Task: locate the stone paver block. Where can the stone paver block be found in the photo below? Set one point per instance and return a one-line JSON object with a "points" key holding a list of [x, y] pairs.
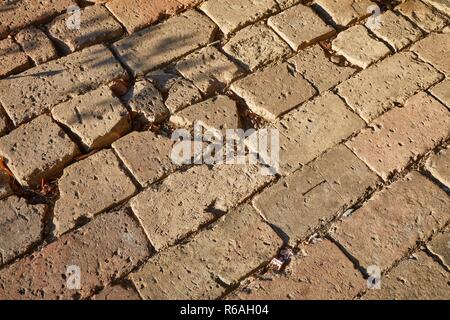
{"points": [[103, 250], [255, 46], [387, 227], [5, 187], [182, 94], [424, 16], [439, 166], [40, 88], [435, 49], [152, 47], [440, 246], [300, 27], [14, 60], [273, 91], [344, 12], [37, 150], [441, 5], [36, 45], [117, 292], [442, 92], [402, 135], [386, 84], [89, 187]]}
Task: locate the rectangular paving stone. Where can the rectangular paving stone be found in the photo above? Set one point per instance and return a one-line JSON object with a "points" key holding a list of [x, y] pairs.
{"points": [[439, 166], [40, 88], [441, 5], [37, 150], [14, 60], [89, 187], [435, 49], [300, 27], [439, 246], [386, 84], [402, 135], [150, 48], [343, 12], [442, 92], [391, 223], [273, 91], [103, 250], [36, 45], [422, 15], [205, 269]]}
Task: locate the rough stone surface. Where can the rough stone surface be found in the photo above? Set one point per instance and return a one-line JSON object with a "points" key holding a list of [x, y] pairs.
{"points": [[182, 94], [14, 60], [435, 49], [36, 45], [343, 12], [439, 246], [116, 292], [422, 15], [442, 92], [441, 5], [439, 166]]}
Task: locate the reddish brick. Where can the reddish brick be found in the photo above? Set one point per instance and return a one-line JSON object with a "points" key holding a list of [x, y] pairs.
{"points": [[36, 45]]}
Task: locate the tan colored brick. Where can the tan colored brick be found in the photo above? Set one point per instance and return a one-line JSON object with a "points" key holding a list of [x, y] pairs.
{"points": [[435, 49], [116, 292], [40, 88], [343, 12], [300, 27], [36, 45], [442, 92], [388, 226], [104, 249], [204, 269], [89, 187], [402, 135], [186, 200], [422, 15], [150, 48], [440, 246], [323, 273], [255, 46], [441, 5], [439, 166], [5, 187], [386, 84], [14, 60], [37, 150]]}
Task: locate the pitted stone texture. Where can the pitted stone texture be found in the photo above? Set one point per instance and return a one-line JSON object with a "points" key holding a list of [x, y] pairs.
{"points": [[313, 196], [386, 84], [441, 5], [389, 225], [13, 60], [255, 46], [97, 25], [122, 292], [439, 166], [273, 91], [313, 128], [284, 4], [300, 27], [36, 45], [21, 226], [435, 49], [343, 12], [146, 155], [152, 47], [424, 16], [395, 29], [416, 278], [5, 187], [323, 273], [205, 269], [442, 92], [439, 246], [402, 135], [97, 118], [231, 15], [201, 193], [89, 187], [40, 88], [316, 67], [37, 150], [209, 69], [105, 249]]}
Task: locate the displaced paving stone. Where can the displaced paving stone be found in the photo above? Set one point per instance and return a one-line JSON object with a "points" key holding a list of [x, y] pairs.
{"points": [[89, 187], [442, 92], [97, 25], [21, 226], [424, 16], [313, 196], [14, 60], [36, 45], [435, 49], [402, 135], [358, 47], [439, 246], [152, 47], [204, 269], [105, 249], [40, 88], [117, 292], [186, 200], [389, 225], [439, 166], [255, 46], [386, 84], [273, 91], [37, 150], [417, 278], [5, 187], [341, 13], [146, 155], [299, 26], [323, 273], [441, 5], [231, 15]]}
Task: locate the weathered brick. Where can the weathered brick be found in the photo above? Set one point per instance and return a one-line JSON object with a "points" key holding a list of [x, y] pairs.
{"points": [[105, 249], [37, 150], [186, 200], [422, 15], [40, 88], [89, 187], [5, 187], [402, 135], [439, 166], [118, 292], [273, 91], [36, 45], [442, 92], [323, 273], [435, 49], [343, 12], [300, 27], [255, 46], [386, 84], [97, 118], [14, 60], [204, 269], [97, 25], [440, 246], [152, 47], [388, 226], [441, 5], [231, 15]]}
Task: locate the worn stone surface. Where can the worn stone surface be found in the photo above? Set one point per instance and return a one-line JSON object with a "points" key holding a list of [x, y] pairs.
{"points": [[435, 49], [118, 292], [442, 92], [439, 166], [89, 187], [424, 16], [343, 12], [441, 5], [14, 60], [36, 45], [439, 246]]}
